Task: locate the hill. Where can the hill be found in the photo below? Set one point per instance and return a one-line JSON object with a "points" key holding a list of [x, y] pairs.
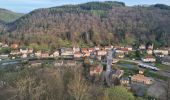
{"points": [[9, 16], [91, 24]]}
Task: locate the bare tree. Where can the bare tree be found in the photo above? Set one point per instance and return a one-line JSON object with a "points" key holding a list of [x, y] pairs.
{"points": [[78, 87]]}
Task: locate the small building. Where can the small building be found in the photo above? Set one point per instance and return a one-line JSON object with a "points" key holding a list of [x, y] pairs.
{"points": [[149, 58], [114, 61], [38, 54], [129, 48], [108, 47], [30, 50], [67, 52], [125, 81], [161, 51], [91, 50], [56, 53], [76, 49], [142, 47], [97, 47], [96, 70], [24, 55], [150, 46], [122, 50], [101, 52], [15, 52], [45, 55], [4, 56], [24, 51], [117, 73], [85, 52], [14, 46], [149, 51], [140, 78], [78, 55]]}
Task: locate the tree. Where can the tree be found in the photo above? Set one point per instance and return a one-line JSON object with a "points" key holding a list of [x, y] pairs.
{"points": [[118, 93], [78, 87], [29, 88]]}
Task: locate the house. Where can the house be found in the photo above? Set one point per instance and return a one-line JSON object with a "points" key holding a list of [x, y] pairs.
{"points": [[78, 55], [96, 70], [24, 51], [15, 52], [117, 73], [114, 61], [122, 50], [38, 54], [108, 47], [76, 49], [161, 51], [150, 46], [140, 78], [58, 63], [91, 50], [4, 56], [149, 51], [97, 47], [30, 50], [45, 55], [14, 46], [67, 52], [129, 48], [24, 55], [149, 58], [125, 81], [3, 45], [101, 52], [56, 53], [84, 50], [142, 47]]}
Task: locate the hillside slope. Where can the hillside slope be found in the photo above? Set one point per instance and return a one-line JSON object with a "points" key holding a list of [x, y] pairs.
{"points": [[8, 16], [93, 23]]}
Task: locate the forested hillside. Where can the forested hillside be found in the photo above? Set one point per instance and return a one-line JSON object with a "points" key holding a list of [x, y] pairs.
{"points": [[92, 23], [9, 16]]}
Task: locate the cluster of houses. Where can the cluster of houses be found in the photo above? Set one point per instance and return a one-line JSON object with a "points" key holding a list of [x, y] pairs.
{"points": [[153, 53], [138, 78]]}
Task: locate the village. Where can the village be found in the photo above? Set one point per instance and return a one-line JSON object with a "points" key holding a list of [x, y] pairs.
{"points": [[130, 67]]}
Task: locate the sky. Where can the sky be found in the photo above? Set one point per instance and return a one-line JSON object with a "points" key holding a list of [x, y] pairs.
{"points": [[25, 6]]}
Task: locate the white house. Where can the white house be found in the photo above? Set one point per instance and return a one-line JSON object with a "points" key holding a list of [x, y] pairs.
{"points": [[149, 51], [23, 51], [162, 51], [4, 56], [67, 52], [142, 47], [24, 55], [38, 54], [101, 52], [76, 49], [56, 53], [78, 55], [149, 58], [97, 48], [108, 47]]}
